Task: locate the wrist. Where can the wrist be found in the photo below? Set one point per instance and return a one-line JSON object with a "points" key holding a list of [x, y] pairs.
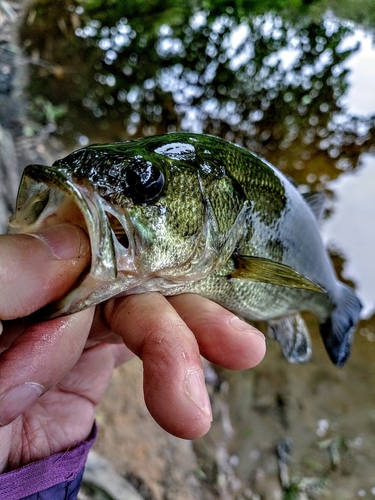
{"points": [[56, 471]]}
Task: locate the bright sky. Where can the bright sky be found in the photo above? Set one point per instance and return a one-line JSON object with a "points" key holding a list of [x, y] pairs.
{"points": [[351, 229], [360, 98]]}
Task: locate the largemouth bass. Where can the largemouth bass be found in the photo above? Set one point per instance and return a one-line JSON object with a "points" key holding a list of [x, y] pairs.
{"points": [[193, 213]]}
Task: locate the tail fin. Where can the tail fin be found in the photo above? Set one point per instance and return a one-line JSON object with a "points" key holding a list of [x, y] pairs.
{"points": [[338, 330]]}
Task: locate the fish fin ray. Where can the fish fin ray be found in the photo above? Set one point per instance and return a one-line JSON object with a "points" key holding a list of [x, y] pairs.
{"points": [[317, 203], [337, 332], [293, 336], [264, 270]]}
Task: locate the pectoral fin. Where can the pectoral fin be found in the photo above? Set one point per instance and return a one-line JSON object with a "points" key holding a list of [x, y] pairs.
{"points": [[268, 271]]}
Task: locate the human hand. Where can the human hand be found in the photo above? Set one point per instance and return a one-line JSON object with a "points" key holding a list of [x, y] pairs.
{"points": [[54, 373]]}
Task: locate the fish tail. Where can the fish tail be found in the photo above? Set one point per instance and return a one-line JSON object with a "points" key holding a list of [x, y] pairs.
{"points": [[337, 332]]}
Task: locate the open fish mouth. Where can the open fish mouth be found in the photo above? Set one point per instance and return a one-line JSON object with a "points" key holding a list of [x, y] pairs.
{"points": [[53, 195]]}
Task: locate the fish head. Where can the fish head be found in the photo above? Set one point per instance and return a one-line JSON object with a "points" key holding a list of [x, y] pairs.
{"points": [[142, 208]]}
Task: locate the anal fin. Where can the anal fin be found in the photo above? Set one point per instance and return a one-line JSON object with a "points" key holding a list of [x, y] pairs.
{"points": [[293, 336]]}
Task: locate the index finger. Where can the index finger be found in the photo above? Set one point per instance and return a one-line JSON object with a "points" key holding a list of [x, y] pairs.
{"points": [[174, 388]]}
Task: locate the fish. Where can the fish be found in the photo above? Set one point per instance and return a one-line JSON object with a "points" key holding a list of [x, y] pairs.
{"points": [[193, 213]]}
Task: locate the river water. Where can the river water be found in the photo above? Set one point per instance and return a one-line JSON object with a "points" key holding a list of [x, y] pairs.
{"points": [[351, 227], [324, 417]]}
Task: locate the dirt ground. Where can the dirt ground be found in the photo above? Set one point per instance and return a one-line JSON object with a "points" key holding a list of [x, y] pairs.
{"points": [[280, 431]]}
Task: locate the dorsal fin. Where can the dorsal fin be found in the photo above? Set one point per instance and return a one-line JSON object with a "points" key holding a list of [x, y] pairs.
{"points": [[317, 203]]}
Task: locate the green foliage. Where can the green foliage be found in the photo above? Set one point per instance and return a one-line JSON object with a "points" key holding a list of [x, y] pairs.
{"points": [[271, 80], [361, 12], [150, 13], [45, 112]]}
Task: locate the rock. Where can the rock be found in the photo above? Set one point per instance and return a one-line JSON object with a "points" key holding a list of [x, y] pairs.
{"points": [[100, 474]]}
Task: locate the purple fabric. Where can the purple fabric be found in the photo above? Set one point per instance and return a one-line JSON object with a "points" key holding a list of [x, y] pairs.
{"points": [[63, 491], [54, 472]]}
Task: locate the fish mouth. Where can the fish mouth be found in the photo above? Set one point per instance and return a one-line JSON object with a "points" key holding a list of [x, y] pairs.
{"points": [[53, 195]]}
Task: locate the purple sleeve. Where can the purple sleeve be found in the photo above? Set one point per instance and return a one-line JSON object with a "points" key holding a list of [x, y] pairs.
{"points": [[58, 476]]}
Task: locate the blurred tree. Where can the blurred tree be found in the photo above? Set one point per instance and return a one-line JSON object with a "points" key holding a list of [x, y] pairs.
{"points": [[268, 79]]}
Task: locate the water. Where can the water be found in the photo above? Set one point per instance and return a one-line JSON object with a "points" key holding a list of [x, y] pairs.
{"points": [[350, 229], [326, 415], [359, 99]]}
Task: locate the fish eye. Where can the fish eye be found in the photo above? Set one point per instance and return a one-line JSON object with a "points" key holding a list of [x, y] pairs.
{"points": [[144, 181]]}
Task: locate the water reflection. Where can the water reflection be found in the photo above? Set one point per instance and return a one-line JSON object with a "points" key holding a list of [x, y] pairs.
{"points": [[359, 98], [272, 81], [350, 230]]}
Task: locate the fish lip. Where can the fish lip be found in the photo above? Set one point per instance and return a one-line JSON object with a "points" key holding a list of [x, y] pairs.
{"points": [[38, 178], [41, 182]]}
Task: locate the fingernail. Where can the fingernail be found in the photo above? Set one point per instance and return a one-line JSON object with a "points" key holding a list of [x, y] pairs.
{"points": [[17, 399], [195, 388], [64, 240], [242, 326]]}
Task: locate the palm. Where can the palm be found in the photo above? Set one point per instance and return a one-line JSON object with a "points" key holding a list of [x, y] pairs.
{"points": [[65, 414]]}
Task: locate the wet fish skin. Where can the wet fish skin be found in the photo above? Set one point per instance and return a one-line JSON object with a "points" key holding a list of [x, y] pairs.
{"points": [[194, 213]]}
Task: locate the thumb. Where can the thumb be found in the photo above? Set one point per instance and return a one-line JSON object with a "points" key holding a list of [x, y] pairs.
{"points": [[36, 269]]}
